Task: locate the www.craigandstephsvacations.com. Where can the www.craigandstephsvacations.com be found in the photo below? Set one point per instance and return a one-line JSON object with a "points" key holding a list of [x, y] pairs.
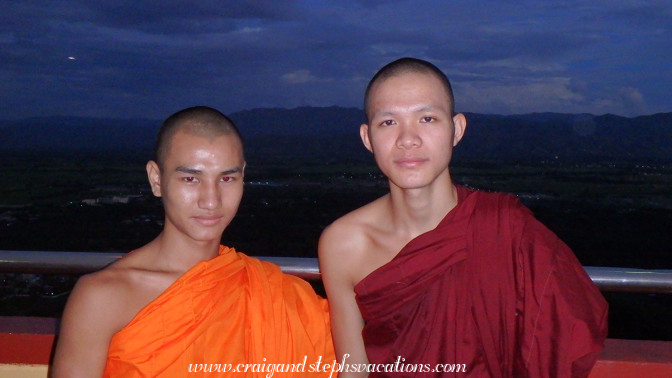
{"points": [[319, 367]]}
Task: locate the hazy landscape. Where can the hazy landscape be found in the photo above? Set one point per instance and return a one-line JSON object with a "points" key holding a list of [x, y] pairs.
{"points": [[602, 183]]}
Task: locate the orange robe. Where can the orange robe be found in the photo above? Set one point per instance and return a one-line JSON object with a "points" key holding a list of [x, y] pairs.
{"points": [[233, 309]]}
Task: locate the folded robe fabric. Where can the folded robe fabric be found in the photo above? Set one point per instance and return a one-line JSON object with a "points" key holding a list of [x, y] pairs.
{"points": [[491, 288], [233, 309]]}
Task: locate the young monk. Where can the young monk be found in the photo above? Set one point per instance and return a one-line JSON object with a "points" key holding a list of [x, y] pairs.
{"points": [[184, 299], [435, 273]]}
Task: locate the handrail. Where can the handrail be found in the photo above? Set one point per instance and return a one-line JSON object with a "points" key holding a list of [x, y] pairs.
{"points": [[57, 262], [606, 278], [630, 279]]}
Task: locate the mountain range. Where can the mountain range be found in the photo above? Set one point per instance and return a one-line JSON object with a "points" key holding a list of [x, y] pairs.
{"points": [[333, 133]]}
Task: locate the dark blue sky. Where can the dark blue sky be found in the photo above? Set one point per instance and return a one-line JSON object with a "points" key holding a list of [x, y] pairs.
{"points": [[130, 59]]}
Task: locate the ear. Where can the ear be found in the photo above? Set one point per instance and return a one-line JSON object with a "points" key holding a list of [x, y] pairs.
{"points": [[459, 126], [364, 134], [154, 177], [242, 172]]}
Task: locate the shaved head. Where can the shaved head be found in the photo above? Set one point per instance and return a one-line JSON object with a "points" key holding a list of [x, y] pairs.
{"points": [[406, 65], [199, 120]]}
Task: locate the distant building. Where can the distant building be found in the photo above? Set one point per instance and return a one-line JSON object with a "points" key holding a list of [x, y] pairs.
{"points": [[126, 199], [112, 200], [7, 217]]}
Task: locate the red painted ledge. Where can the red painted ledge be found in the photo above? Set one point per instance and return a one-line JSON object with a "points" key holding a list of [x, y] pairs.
{"points": [[634, 358], [27, 340]]}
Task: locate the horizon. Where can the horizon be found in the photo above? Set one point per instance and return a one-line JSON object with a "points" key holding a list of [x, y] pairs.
{"points": [[330, 131], [324, 107]]}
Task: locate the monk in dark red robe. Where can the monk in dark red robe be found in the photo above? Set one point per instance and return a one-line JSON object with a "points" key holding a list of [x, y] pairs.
{"points": [[491, 288], [433, 279]]}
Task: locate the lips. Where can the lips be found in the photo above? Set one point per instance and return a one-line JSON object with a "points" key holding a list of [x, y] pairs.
{"points": [[410, 162], [208, 220]]}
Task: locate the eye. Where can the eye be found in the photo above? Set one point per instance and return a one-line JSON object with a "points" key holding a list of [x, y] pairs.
{"points": [[228, 179], [189, 179], [427, 119], [387, 122]]}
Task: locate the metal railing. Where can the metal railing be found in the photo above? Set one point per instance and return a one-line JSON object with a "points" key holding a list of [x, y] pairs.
{"points": [[57, 262], [606, 278]]}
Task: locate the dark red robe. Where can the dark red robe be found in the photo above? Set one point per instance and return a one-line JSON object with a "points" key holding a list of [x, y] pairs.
{"points": [[489, 287]]}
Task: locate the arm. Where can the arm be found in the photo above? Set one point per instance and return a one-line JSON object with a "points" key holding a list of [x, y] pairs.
{"points": [[566, 315], [86, 329], [336, 262]]}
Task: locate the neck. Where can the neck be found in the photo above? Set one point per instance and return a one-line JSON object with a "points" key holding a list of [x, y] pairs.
{"points": [[419, 210], [180, 254]]}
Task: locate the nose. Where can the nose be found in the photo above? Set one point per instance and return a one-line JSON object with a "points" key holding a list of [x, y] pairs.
{"points": [[209, 197], [408, 137]]}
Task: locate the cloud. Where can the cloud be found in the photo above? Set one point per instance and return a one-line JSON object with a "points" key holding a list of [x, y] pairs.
{"points": [[554, 94], [621, 100], [648, 14], [298, 77], [185, 16], [505, 57]]}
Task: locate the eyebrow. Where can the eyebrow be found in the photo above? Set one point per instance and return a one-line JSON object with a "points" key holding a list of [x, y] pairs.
{"points": [[193, 171], [426, 108]]}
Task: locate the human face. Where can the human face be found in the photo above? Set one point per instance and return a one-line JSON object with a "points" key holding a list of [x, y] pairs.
{"points": [[201, 185], [411, 130]]}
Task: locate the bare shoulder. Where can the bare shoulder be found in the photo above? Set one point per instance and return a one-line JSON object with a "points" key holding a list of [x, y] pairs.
{"points": [[111, 296], [93, 314], [350, 233], [348, 242], [102, 295]]}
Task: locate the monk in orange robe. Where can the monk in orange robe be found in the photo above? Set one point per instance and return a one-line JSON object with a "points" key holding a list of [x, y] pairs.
{"points": [[434, 279], [183, 305], [226, 312]]}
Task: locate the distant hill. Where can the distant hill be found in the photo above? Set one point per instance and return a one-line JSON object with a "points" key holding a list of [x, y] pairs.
{"points": [[332, 133], [304, 121], [568, 137], [76, 134]]}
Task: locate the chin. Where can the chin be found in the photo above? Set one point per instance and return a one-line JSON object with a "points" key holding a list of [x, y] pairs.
{"points": [[411, 183], [207, 237]]}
